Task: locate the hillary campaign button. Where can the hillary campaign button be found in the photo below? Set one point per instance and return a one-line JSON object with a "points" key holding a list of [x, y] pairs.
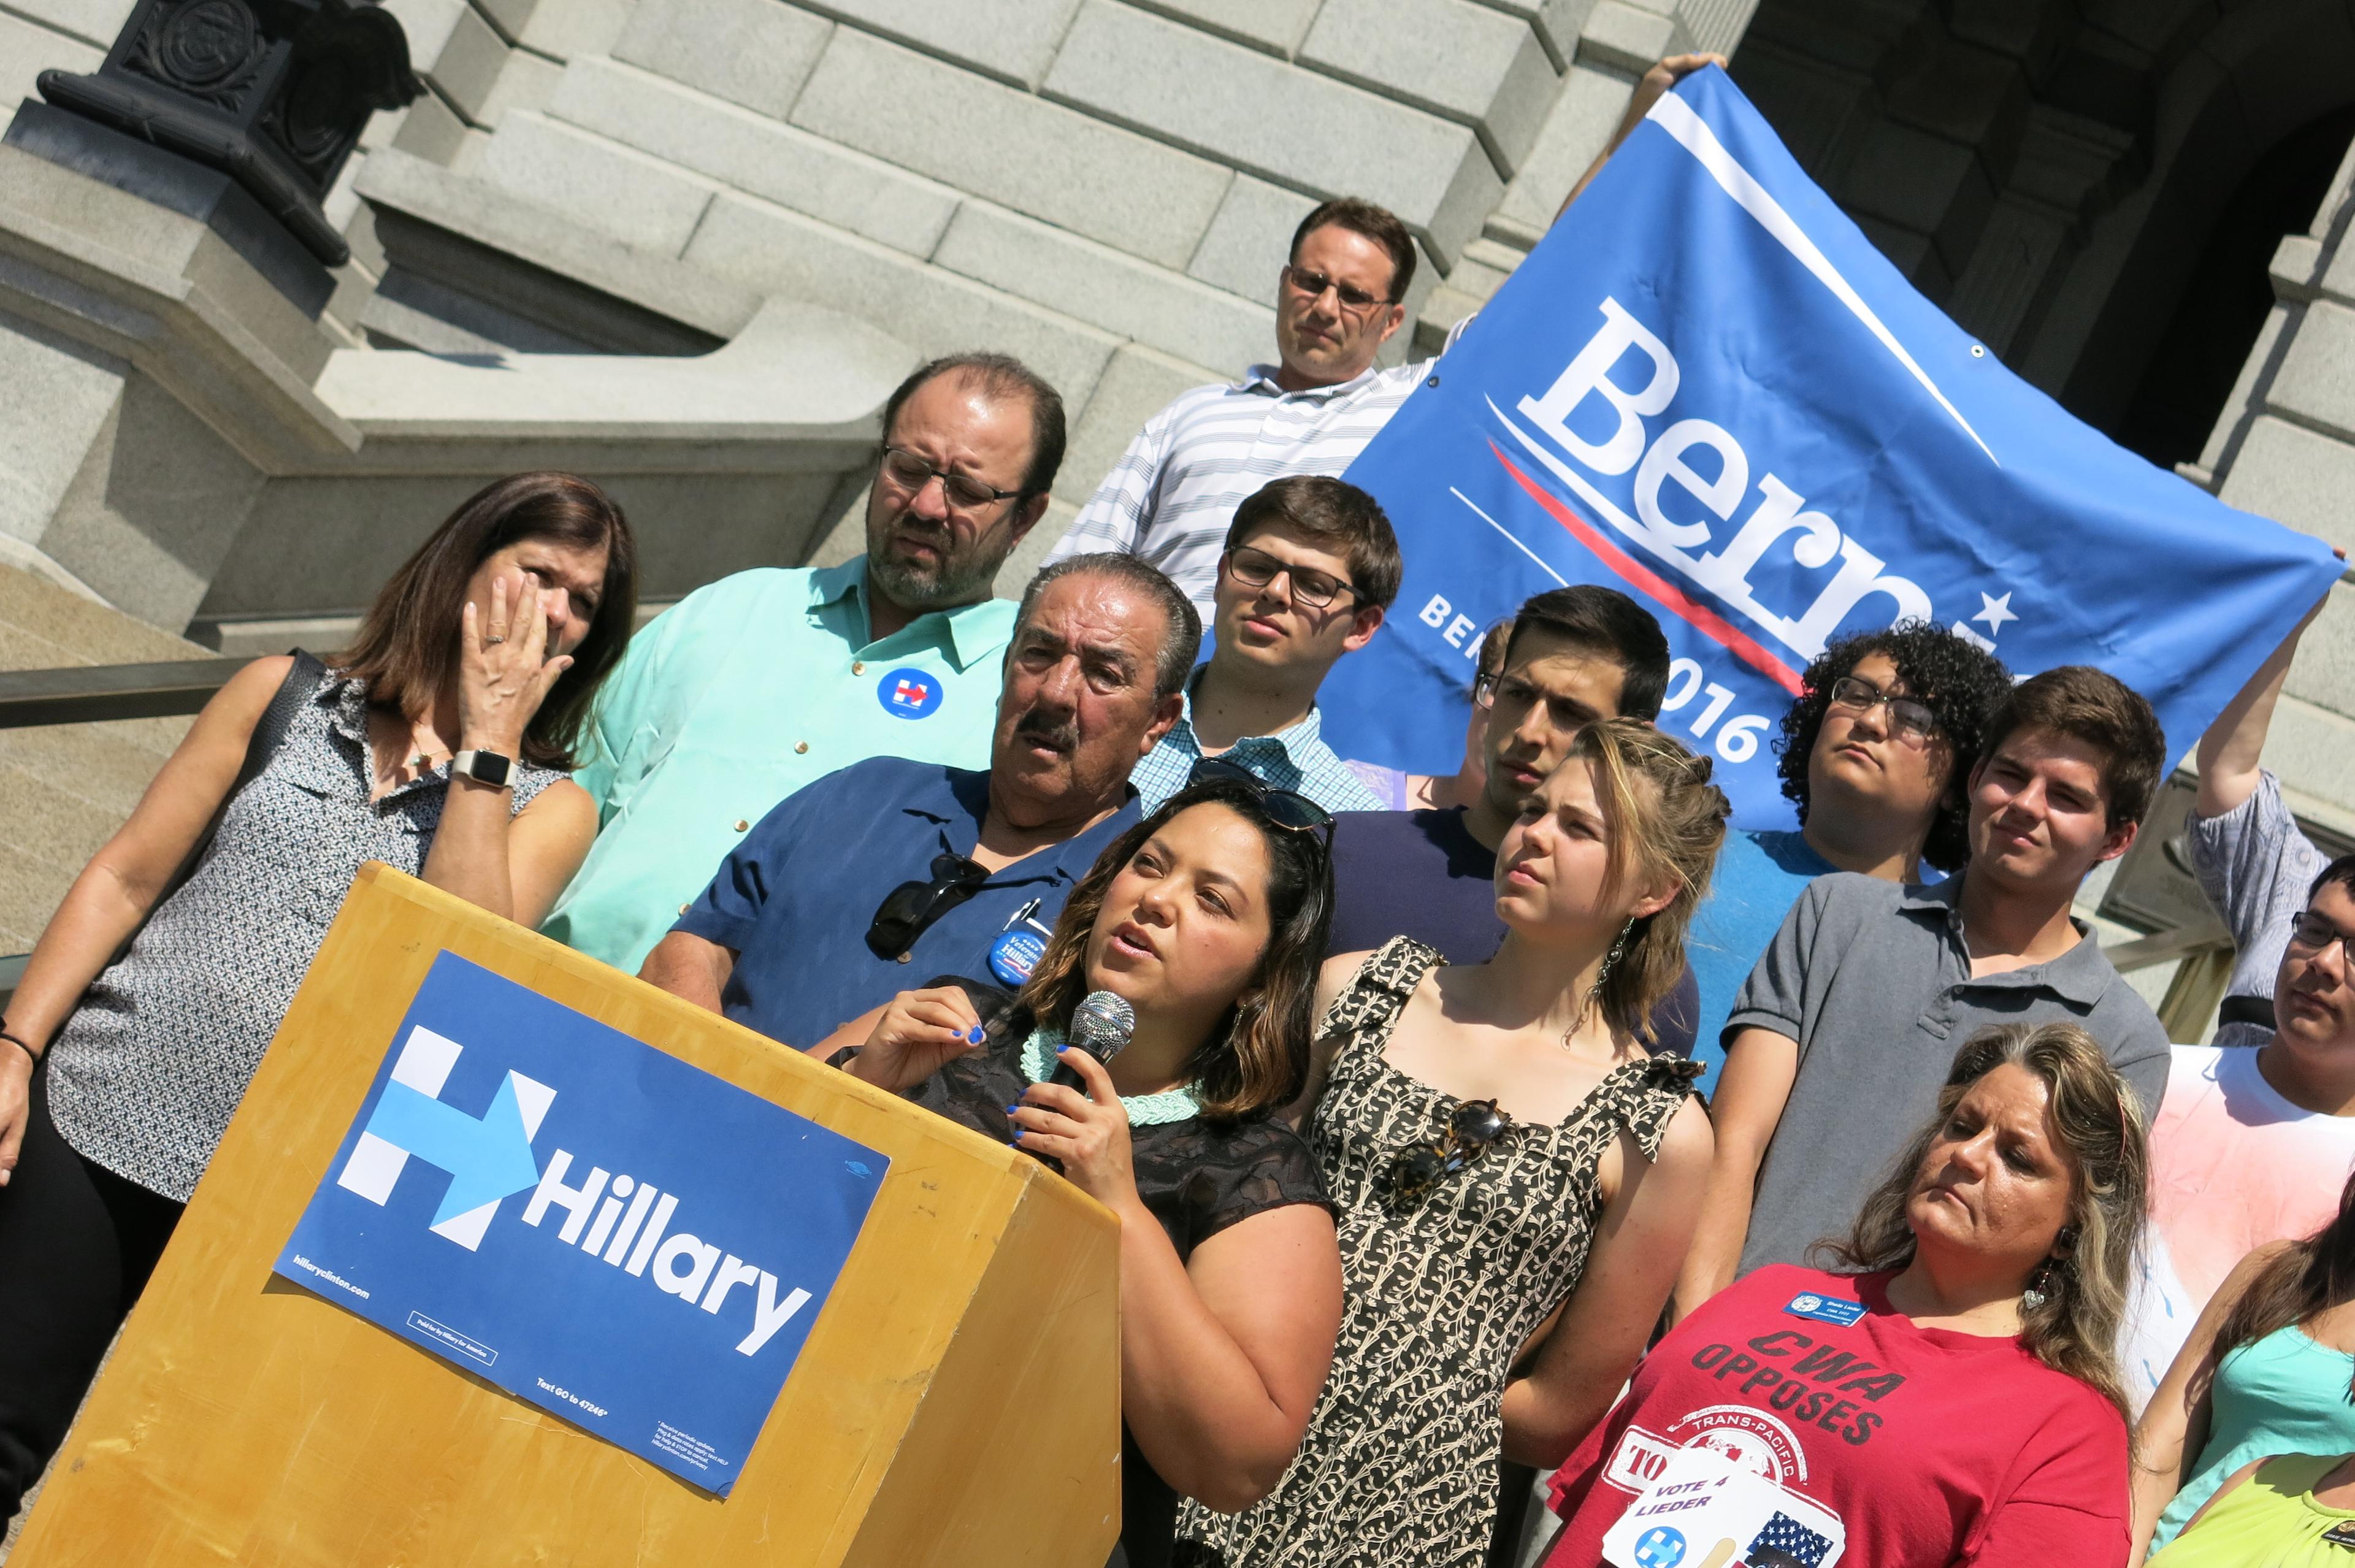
{"points": [[1829, 1310], [1014, 954], [909, 693]]}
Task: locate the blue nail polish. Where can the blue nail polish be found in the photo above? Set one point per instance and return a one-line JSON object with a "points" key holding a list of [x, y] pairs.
{"points": [[1011, 1109], [1061, 1049], [1017, 1134], [976, 1034]]}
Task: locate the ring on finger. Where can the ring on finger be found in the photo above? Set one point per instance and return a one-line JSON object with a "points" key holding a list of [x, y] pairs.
{"points": [[493, 638]]}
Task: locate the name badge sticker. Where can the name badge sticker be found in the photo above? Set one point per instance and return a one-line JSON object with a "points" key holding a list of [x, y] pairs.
{"points": [[909, 692], [1829, 1310]]}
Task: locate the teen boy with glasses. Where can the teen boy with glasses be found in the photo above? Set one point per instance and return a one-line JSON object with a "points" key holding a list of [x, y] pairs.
{"points": [[1309, 569], [892, 869], [1875, 750]]}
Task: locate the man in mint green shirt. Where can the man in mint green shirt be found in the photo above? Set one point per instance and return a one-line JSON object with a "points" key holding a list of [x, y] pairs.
{"points": [[755, 685]]}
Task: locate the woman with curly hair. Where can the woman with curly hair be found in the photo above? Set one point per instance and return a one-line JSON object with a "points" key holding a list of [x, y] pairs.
{"points": [[1947, 1394], [1875, 750]]}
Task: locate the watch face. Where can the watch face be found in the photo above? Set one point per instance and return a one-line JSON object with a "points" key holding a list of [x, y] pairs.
{"points": [[490, 768]]}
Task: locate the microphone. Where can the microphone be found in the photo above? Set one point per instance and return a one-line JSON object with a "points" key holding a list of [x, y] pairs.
{"points": [[1100, 1026]]}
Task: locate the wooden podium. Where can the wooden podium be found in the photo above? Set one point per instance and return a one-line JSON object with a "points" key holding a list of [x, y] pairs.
{"points": [[957, 1402]]}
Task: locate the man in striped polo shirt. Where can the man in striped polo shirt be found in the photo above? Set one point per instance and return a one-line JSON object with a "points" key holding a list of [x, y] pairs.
{"points": [[1339, 299], [1175, 490]]}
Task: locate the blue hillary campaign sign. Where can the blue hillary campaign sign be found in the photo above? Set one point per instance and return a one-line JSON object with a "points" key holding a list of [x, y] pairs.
{"points": [[1707, 389], [590, 1224]]}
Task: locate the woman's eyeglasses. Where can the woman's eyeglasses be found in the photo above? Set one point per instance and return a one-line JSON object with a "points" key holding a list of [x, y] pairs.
{"points": [[1287, 808], [909, 910], [1910, 722], [1472, 1128]]}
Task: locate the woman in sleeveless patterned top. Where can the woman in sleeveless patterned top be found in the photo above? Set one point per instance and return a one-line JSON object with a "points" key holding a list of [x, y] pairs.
{"points": [[1473, 1325], [491, 640]]}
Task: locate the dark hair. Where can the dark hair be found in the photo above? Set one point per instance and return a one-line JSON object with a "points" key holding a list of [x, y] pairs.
{"points": [[1255, 1058], [1951, 675], [2102, 1136], [2341, 871], [2097, 708], [2304, 1280], [1179, 649], [1005, 376], [406, 650], [1329, 510], [1379, 224], [1608, 622]]}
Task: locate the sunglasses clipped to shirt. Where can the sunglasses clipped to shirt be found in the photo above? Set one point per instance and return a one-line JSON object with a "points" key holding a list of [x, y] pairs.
{"points": [[909, 910]]}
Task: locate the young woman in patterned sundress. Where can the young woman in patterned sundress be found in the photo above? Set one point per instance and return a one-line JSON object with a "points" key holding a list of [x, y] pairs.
{"points": [[1516, 1176], [491, 638]]}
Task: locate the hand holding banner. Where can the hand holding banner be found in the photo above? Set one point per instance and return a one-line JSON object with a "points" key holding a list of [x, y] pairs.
{"points": [[1707, 389]]}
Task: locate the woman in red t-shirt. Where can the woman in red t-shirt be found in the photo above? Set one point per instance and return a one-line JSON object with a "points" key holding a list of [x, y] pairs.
{"points": [[1955, 1402]]}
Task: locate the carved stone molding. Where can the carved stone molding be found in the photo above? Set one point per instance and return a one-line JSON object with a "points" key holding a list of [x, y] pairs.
{"points": [[271, 92]]}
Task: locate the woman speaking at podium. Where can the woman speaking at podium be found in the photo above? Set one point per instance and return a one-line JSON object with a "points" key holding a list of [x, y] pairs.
{"points": [[1208, 919], [438, 742]]}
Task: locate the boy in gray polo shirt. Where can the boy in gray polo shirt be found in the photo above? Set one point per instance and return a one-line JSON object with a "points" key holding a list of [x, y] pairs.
{"points": [[1839, 1043]]}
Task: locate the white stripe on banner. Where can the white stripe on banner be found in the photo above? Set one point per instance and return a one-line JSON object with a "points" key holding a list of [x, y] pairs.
{"points": [[1508, 533], [1676, 117]]}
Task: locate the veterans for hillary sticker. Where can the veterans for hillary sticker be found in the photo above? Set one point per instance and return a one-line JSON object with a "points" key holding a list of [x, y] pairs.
{"points": [[1825, 1308], [909, 693]]}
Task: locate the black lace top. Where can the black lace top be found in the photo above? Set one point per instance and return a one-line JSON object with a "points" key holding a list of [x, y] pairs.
{"points": [[1198, 1178], [1195, 1177]]}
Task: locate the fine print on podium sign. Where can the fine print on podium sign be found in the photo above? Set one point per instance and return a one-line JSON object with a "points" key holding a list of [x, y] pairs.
{"points": [[592, 1225]]}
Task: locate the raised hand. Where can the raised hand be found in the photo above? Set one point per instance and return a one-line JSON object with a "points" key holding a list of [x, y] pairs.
{"points": [[504, 670]]}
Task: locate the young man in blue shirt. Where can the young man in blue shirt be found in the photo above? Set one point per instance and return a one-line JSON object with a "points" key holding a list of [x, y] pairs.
{"points": [[1875, 752]]}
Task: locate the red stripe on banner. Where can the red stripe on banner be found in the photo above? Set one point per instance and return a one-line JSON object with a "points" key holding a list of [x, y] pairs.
{"points": [[1642, 577]]}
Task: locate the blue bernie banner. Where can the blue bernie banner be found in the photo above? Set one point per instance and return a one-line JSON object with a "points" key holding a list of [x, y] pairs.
{"points": [[1706, 388]]}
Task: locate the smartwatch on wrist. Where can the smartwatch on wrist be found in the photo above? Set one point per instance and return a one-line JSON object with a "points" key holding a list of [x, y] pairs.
{"points": [[483, 767]]}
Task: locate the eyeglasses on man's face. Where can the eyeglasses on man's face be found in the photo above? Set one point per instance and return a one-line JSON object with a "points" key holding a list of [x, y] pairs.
{"points": [[1311, 285], [964, 493], [2313, 935], [1255, 567], [1909, 720]]}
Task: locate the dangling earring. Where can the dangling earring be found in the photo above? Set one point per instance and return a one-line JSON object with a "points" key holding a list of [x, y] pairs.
{"points": [[1609, 960], [2039, 1287]]}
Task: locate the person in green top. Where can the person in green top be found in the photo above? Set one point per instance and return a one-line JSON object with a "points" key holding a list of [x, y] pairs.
{"points": [[755, 685], [2293, 1510]]}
